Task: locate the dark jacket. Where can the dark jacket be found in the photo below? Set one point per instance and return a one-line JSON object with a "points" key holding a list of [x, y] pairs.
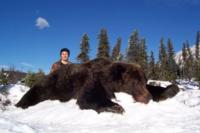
{"points": [[57, 65]]}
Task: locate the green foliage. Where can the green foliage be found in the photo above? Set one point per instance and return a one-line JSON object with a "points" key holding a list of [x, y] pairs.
{"points": [[163, 62], [188, 64], [165, 68], [4, 78], [198, 72], [33, 78], [197, 56], [172, 66], [116, 55], [133, 48], [142, 55], [4, 81], [152, 68], [137, 51], [84, 46], [103, 47], [30, 79]]}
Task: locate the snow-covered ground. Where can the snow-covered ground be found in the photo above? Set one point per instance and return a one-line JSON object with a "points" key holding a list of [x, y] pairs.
{"points": [[180, 114]]}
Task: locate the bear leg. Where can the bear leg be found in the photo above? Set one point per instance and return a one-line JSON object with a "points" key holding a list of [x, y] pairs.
{"points": [[94, 96], [161, 93], [32, 97]]}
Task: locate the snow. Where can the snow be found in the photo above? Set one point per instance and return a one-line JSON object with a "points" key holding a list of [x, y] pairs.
{"points": [[180, 114], [159, 83]]}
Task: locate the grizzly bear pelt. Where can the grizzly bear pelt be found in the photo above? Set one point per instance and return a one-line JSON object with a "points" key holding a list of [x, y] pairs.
{"points": [[93, 85]]}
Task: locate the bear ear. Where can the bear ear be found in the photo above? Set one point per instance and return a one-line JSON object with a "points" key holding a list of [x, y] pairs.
{"points": [[117, 70]]}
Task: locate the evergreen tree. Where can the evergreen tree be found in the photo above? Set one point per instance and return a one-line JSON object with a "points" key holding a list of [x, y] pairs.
{"points": [[30, 79], [152, 67], [116, 50], [4, 77], [173, 68], [184, 59], [198, 72], [189, 64], [4, 81], [197, 56], [33, 78], [189, 52], [163, 62], [132, 51], [143, 55], [103, 47], [184, 53], [84, 46]]}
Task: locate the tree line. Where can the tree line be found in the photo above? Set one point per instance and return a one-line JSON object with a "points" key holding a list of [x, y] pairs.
{"points": [[164, 68]]}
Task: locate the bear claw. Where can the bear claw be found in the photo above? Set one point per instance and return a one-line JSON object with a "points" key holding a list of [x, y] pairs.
{"points": [[114, 109]]}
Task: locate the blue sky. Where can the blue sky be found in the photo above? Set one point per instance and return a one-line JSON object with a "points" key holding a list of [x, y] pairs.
{"points": [[61, 23]]}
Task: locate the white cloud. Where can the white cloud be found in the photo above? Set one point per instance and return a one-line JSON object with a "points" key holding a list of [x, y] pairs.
{"points": [[26, 64], [42, 23]]}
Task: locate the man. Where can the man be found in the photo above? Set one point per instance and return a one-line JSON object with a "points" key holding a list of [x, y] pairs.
{"points": [[64, 56]]}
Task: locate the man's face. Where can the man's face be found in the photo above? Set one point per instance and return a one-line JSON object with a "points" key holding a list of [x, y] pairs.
{"points": [[64, 55]]}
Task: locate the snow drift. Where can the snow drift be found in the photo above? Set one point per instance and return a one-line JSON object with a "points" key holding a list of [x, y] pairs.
{"points": [[180, 114]]}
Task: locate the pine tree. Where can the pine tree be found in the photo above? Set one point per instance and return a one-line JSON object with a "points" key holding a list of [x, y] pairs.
{"points": [[33, 78], [198, 72], [142, 55], [30, 79], [188, 62], [184, 59], [197, 56], [184, 53], [163, 68], [152, 67], [103, 47], [173, 68], [189, 65], [4, 77], [189, 52], [132, 51], [116, 56], [4, 81], [84, 46]]}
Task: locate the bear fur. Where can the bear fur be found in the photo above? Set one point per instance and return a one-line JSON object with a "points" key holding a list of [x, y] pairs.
{"points": [[93, 84]]}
